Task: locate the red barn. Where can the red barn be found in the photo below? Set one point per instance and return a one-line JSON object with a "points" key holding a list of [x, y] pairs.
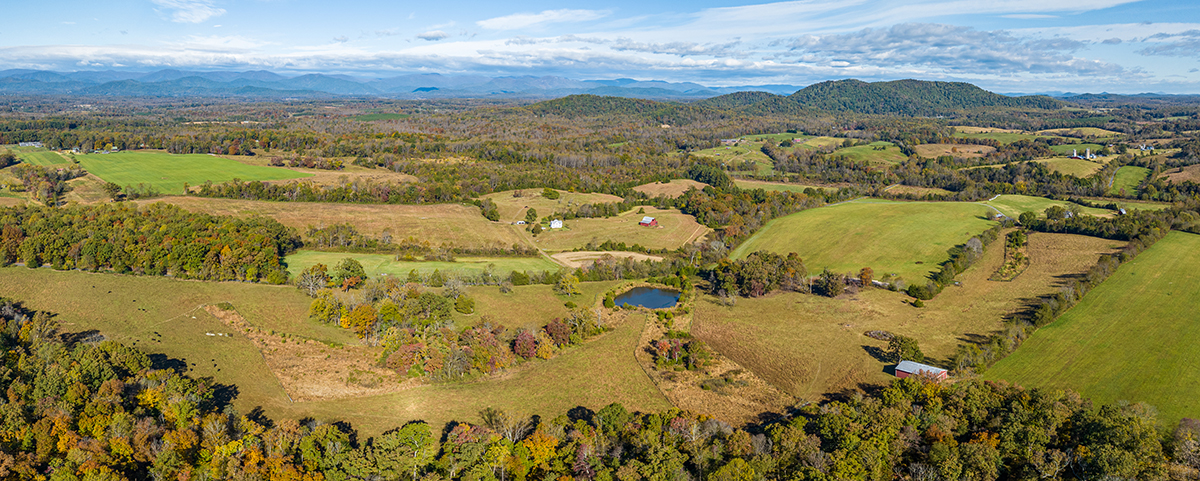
{"points": [[909, 368], [648, 222]]}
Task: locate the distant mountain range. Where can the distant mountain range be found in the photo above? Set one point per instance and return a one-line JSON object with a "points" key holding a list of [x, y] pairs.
{"points": [[913, 98], [178, 83]]}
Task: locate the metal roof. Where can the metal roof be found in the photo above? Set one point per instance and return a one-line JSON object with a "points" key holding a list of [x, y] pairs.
{"points": [[915, 367], [647, 219]]}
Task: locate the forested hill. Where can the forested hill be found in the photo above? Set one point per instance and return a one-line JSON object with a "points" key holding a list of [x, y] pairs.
{"points": [[737, 100], [587, 105], [915, 98]]}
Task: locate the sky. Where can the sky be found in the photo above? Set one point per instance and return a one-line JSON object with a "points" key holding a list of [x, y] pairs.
{"points": [[1119, 46]]}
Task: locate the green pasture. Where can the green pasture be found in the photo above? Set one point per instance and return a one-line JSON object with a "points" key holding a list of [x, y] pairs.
{"points": [[1002, 137], [890, 154], [1128, 178], [43, 158], [1134, 338], [168, 172], [1077, 167], [376, 264], [1014, 205], [905, 238]]}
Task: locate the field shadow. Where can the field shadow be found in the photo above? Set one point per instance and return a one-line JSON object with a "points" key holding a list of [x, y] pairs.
{"points": [[876, 352], [161, 361], [972, 338], [862, 389], [88, 336]]}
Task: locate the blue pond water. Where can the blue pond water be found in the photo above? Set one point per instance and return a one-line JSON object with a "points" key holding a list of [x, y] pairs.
{"points": [[648, 297]]}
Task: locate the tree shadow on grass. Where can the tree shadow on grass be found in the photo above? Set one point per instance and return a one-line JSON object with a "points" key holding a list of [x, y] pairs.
{"points": [[876, 352]]}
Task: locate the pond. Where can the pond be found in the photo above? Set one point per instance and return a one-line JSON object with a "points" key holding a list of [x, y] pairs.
{"points": [[649, 297]]}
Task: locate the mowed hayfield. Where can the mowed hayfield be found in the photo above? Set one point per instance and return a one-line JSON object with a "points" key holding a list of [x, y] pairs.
{"points": [[453, 224], [376, 264], [1133, 338], [745, 152], [674, 230], [674, 188], [1081, 149], [1081, 132], [909, 239], [512, 204], [1127, 179], [810, 346], [43, 158], [168, 172], [157, 313], [1014, 205], [777, 186], [1077, 167], [875, 152], [954, 150]]}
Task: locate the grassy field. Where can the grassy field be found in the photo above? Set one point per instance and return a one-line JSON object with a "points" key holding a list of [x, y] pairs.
{"points": [[157, 315], [809, 346], [674, 230], [528, 306], [42, 157], [1081, 132], [375, 264], [513, 208], [999, 135], [889, 154], [776, 186], [954, 150], [1132, 338], [819, 142], [168, 173], [1014, 205], [905, 238], [735, 154], [1128, 178], [1077, 167], [674, 188], [454, 224]]}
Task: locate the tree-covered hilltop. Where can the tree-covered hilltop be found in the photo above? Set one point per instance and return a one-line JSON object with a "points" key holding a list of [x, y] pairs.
{"points": [[736, 100], [916, 98], [159, 239], [83, 408]]}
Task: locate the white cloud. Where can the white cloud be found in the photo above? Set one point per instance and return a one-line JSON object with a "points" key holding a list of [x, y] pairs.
{"points": [[433, 36], [525, 20], [341, 39], [1029, 16], [190, 11]]}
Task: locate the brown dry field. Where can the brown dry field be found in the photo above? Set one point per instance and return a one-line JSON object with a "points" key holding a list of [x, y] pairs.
{"points": [[738, 404], [674, 230], [1180, 175], [512, 208], [908, 189], [960, 151], [580, 258], [88, 189], [811, 346], [441, 223], [674, 188]]}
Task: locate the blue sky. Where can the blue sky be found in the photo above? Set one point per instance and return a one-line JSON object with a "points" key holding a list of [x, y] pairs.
{"points": [[1007, 46]]}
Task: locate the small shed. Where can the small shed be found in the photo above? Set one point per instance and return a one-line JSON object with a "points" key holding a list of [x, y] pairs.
{"points": [[648, 221], [910, 368], [556, 224]]}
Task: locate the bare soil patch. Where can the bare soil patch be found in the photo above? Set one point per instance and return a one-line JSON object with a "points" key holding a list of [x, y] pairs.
{"points": [[908, 189], [581, 258]]}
